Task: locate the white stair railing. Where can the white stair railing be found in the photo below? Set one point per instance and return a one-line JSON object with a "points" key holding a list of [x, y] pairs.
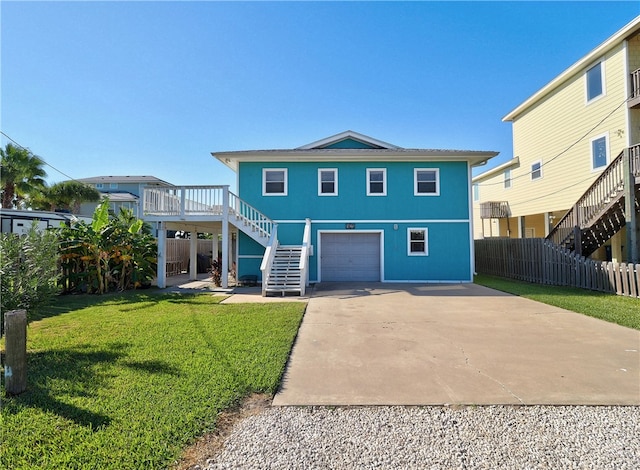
{"points": [[304, 257], [250, 216], [267, 259]]}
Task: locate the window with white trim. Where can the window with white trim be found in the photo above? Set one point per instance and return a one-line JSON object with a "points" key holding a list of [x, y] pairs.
{"points": [[274, 181], [507, 179], [99, 186], [426, 182], [595, 82], [376, 181], [599, 152], [476, 192], [536, 170], [327, 182], [113, 185], [417, 242]]}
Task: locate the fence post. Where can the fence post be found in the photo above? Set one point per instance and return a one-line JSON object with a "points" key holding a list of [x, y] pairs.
{"points": [[15, 367]]}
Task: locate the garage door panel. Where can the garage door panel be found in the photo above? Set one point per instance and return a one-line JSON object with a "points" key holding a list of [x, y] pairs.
{"points": [[350, 257]]}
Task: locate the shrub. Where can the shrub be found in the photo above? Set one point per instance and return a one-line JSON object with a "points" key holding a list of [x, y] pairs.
{"points": [[28, 269]]}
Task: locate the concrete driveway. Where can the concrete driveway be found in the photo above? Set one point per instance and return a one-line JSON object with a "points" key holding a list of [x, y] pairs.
{"points": [[390, 344]]}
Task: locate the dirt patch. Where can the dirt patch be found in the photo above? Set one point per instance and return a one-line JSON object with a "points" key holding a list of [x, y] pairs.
{"points": [[208, 446]]}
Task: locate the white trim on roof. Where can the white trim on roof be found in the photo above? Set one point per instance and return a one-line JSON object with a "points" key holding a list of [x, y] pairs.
{"points": [[347, 135], [620, 36], [513, 162]]}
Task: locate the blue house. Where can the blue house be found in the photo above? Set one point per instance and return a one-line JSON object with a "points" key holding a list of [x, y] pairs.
{"points": [[345, 208]]}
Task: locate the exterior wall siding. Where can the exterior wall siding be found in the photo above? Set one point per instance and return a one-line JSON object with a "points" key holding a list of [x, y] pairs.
{"points": [[445, 216], [553, 126]]}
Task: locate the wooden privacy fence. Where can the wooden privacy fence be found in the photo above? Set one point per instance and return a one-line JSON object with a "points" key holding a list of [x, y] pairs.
{"points": [[540, 261], [178, 253]]}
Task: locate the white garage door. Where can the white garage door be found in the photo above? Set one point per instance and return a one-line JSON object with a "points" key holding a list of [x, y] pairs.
{"points": [[350, 256]]}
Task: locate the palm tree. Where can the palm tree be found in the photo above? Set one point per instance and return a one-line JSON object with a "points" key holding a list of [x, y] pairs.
{"points": [[20, 174], [67, 195]]}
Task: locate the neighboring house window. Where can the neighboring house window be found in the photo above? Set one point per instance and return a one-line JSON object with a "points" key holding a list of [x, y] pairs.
{"points": [[476, 192], [99, 186], [417, 242], [599, 152], [327, 182], [536, 170], [376, 182], [595, 82], [426, 182], [113, 185], [507, 179], [274, 182]]}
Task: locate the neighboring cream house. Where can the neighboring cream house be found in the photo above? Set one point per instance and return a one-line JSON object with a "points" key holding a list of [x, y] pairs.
{"points": [[564, 137]]}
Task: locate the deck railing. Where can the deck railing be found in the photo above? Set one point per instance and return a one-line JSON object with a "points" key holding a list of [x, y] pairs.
{"points": [[267, 259], [185, 201], [304, 257], [597, 197]]}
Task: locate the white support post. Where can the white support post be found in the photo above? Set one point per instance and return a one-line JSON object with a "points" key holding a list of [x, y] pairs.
{"points": [[162, 256], [193, 255], [224, 272], [547, 224], [521, 231]]}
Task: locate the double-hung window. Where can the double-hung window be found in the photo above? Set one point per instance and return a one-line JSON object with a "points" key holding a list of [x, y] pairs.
{"points": [[327, 182], [274, 182], [417, 242], [99, 186], [599, 152], [376, 181], [507, 179], [595, 82], [426, 182], [536, 170]]}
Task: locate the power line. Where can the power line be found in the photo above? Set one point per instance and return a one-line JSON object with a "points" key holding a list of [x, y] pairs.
{"points": [[561, 153], [43, 160]]}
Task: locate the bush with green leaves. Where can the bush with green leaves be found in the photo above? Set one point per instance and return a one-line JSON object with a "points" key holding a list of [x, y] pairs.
{"points": [[28, 269], [108, 254]]}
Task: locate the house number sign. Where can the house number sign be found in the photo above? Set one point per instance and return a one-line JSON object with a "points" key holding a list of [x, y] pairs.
{"points": [[349, 226]]}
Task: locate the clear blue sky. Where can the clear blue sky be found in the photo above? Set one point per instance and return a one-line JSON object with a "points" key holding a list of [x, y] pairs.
{"points": [[151, 88]]}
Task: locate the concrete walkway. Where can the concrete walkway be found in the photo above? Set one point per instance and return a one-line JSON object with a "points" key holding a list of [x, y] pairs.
{"points": [[389, 344]]}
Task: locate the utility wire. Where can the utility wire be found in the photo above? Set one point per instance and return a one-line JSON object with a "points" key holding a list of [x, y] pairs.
{"points": [[561, 153], [43, 160]]}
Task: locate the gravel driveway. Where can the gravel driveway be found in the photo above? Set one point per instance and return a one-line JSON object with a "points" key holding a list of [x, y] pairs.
{"points": [[491, 437]]}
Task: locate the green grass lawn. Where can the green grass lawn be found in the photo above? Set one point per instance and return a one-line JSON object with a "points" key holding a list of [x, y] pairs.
{"points": [[624, 311], [127, 381]]}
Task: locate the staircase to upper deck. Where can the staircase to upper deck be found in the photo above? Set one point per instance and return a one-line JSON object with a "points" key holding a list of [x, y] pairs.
{"points": [[600, 212], [284, 269]]}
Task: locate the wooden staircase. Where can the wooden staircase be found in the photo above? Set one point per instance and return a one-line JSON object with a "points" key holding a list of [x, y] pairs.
{"points": [[285, 274], [600, 212]]}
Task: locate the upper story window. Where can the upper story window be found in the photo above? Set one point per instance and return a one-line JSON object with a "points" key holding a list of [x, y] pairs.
{"points": [[507, 179], [476, 192], [599, 152], [376, 181], [536, 170], [426, 182], [595, 82], [99, 186], [113, 185], [327, 182], [274, 182], [417, 243]]}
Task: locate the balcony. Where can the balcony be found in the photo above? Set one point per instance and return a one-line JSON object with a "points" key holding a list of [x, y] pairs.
{"points": [[494, 210], [634, 95]]}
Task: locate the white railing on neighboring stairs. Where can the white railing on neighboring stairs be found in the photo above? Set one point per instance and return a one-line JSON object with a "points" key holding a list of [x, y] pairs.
{"points": [[267, 260], [304, 256]]}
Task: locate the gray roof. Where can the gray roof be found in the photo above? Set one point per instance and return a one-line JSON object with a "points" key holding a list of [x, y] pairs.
{"points": [[152, 180]]}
